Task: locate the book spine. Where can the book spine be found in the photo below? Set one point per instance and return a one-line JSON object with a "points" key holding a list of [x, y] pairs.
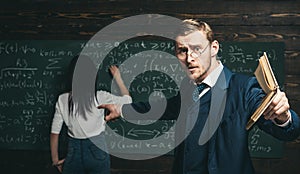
{"points": [[250, 124]]}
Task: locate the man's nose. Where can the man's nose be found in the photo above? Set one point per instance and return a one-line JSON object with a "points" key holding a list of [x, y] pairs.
{"points": [[189, 56]]}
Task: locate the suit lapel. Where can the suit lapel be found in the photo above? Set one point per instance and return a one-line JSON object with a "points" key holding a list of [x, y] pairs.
{"points": [[217, 108]]}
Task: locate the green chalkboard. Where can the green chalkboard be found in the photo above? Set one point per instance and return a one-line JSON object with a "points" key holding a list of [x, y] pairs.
{"points": [[34, 72], [242, 57]]}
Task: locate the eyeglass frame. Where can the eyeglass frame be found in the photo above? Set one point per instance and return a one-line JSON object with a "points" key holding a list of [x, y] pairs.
{"points": [[194, 54]]}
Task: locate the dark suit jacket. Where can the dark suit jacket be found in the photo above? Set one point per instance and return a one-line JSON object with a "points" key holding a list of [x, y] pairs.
{"points": [[218, 143]]}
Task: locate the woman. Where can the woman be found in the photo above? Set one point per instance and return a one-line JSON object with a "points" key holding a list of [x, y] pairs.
{"points": [[87, 151]]}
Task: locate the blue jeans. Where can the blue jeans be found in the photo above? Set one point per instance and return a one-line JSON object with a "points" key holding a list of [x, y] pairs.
{"points": [[87, 156]]}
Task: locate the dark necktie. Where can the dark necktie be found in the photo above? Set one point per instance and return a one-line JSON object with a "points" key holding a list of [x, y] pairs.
{"points": [[198, 90]]}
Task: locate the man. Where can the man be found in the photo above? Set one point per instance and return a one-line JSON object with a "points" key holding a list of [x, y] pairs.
{"points": [[225, 147]]}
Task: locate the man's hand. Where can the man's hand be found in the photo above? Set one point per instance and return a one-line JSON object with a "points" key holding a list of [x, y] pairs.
{"points": [[114, 111], [278, 109]]}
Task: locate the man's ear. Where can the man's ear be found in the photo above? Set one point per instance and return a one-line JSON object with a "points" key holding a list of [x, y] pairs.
{"points": [[214, 48]]}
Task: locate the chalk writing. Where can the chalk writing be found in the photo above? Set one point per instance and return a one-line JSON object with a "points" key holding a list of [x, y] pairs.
{"points": [[34, 73]]}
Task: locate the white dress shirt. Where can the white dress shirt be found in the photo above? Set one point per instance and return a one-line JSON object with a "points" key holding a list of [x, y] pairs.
{"points": [[212, 78]]}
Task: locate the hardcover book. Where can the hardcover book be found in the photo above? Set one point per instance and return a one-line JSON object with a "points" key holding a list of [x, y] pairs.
{"points": [[268, 83]]}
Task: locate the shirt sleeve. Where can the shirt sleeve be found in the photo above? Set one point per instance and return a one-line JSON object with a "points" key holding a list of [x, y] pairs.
{"points": [[120, 100], [286, 123], [57, 121], [109, 98]]}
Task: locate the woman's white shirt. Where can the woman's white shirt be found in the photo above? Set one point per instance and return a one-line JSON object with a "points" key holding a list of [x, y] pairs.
{"points": [[79, 126]]}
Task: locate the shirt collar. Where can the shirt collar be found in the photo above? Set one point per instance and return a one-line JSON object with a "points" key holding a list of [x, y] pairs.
{"points": [[212, 78]]}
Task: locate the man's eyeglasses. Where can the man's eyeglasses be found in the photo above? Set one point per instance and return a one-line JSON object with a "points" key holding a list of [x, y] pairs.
{"points": [[195, 52]]}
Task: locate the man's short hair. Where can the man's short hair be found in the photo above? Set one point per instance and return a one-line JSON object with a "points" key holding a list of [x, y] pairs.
{"points": [[190, 25]]}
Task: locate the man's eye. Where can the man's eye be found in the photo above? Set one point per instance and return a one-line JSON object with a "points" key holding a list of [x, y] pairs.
{"points": [[182, 50], [197, 49]]}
